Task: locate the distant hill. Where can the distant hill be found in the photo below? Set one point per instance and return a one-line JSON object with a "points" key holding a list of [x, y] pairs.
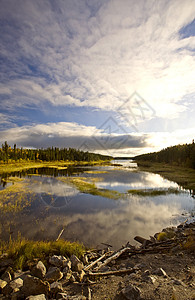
{"points": [[180, 155]]}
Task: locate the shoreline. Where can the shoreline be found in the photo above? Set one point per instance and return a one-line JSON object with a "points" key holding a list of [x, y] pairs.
{"points": [[161, 267], [19, 166], [181, 175]]}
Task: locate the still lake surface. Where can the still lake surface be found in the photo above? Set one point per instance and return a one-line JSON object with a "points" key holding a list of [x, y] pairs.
{"points": [[90, 219]]}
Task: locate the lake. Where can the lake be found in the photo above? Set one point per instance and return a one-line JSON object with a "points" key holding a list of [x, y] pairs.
{"points": [[42, 204]]}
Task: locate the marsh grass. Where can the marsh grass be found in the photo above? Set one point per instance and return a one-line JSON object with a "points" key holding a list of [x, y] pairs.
{"points": [[96, 172], [23, 165], [16, 197], [183, 176], [23, 251], [87, 185], [152, 193], [12, 179]]}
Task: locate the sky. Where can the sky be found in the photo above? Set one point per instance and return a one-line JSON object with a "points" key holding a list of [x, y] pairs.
{"points": [[115, 77]]}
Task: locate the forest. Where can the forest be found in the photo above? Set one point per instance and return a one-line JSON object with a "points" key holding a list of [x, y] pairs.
{"points": [[9, 154], [180, 155]]}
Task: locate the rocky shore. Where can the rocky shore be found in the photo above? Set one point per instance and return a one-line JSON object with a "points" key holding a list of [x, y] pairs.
{"points": [[161, 267]]}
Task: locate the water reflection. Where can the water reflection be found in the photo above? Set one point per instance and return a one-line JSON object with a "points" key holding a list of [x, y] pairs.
{"points": [[123, 180], [94, 219]]}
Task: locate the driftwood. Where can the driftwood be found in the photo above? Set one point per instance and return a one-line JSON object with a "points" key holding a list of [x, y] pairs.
{"points": [[60, 234], [118, 272], [108, 260], [94, 262], [89, 293]]}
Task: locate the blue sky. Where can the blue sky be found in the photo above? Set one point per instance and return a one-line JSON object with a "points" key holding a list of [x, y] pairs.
{"points": [[113, 76]]}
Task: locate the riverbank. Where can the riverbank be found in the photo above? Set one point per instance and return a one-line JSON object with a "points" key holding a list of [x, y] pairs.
{"points": [[24, 165], [161, 268], [182, 176]]}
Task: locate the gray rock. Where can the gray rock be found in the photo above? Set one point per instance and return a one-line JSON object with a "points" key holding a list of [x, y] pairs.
{"points": [[67, 265], [21, 274], [57, 260], [39, 270], [131, 292], [77, 265], [56, 287], [3, 283], [53, 274], [37, 297], [35, 286], [13, 286]]}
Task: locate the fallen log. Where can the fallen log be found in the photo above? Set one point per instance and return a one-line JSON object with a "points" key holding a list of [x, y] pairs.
{"points": [[115, 256], [118, 272], [94, 262], [142, 240]]}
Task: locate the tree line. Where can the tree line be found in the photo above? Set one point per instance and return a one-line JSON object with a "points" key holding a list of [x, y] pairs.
{"points": [[180, 155], [9, 154]]}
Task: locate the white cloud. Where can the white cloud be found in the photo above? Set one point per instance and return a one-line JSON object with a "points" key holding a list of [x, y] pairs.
{"points": [[126, 46], [77, 54]]}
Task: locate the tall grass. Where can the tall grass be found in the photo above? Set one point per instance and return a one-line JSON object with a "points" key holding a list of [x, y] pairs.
{"points": [[22, 250]]}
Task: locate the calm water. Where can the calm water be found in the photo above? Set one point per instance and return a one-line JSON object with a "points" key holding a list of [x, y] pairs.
{"points": [[93, 219]]}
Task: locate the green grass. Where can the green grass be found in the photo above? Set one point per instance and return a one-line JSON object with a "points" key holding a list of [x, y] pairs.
{"points": [[183, 176], [87, 185], [151, 192], [23, 251]]}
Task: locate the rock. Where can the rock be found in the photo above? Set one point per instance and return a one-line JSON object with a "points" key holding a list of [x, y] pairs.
{"points": [[79, 275], [131, 292], [37, 297], [35, 286], [13, 286], [53, 274], [21, 274], [3, 283], [57, 260], [160, 272], [56, 287], [67, 266], [39, 270], [67, 275], [77, 265]]}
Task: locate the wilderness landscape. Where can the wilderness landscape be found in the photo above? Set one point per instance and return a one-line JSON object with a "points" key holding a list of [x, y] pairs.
{"points": [[97, 153]]}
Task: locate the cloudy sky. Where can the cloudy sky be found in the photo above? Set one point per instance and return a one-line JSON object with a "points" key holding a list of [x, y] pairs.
{"points": [[111, 76]]}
